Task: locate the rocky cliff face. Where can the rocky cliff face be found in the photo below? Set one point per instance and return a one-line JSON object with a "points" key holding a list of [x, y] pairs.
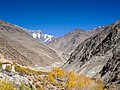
{"points": [[16, 45], [99, 55]]}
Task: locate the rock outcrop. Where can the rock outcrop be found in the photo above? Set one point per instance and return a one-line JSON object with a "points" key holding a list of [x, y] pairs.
{"points": [[99, 56]]}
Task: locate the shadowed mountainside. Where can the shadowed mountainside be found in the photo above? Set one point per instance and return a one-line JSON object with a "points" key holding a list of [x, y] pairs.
{"points": [[99, 56]]}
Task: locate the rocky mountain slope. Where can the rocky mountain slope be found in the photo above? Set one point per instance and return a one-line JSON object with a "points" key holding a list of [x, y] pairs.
{"points": [[99, 56], [67, 43], [38, 34], [28, 79], [16, 45]]}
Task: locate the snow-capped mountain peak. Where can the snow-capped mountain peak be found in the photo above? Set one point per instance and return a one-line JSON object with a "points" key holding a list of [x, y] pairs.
{"points": [[38, 34], [48, 38]]}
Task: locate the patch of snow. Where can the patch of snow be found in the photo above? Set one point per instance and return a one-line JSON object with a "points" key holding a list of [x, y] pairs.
{"points": [[38, 34], [34, 35]]}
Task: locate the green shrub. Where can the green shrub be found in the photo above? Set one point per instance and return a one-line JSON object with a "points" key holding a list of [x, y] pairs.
{"points": [[17, 68]]}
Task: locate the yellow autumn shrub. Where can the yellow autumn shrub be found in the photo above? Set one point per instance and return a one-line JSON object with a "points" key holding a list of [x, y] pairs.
{"points": [[58, 72], [50, 77], [8, 67], [6, 85], [71, 80]]}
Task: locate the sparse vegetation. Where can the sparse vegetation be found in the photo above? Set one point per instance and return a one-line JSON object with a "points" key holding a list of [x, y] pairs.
{"points": [[50, 77], [70, 80], [57, 78], [58, 72], [25, 87], [6, 85], [39, 87], [0, 65], [26, 71], [8, 67], [17, 68]]}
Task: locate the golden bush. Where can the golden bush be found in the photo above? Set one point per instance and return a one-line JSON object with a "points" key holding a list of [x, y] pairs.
{"points": [[8, 67], [58, 72], [71, 80], [50, 77], [6, 85]]}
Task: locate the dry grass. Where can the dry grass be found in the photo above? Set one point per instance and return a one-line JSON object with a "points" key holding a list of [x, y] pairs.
{"points": [[26, 71], [24, 87], [6, 85]]}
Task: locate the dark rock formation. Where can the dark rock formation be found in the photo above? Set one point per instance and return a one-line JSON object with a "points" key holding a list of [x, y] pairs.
{"points": [[99, 55]]}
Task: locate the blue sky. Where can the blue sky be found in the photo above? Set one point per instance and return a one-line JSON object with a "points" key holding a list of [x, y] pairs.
{"points": [[57, 17]]}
